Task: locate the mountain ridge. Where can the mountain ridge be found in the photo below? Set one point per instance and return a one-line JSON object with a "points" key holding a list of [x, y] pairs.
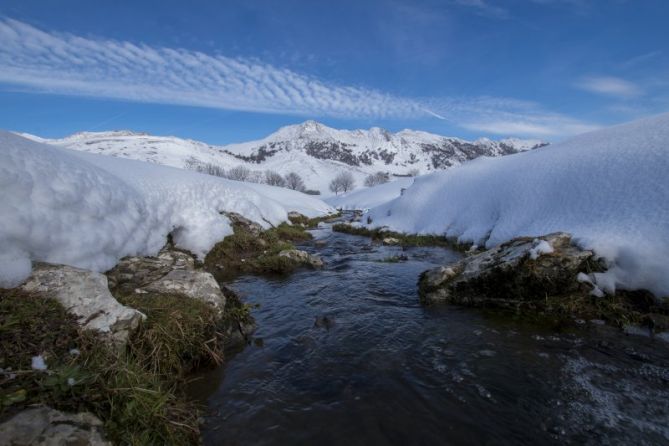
{"points": [[313, 150]]}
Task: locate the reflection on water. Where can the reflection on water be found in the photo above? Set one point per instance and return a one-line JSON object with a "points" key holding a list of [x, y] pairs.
{"points": [[348, 356]]}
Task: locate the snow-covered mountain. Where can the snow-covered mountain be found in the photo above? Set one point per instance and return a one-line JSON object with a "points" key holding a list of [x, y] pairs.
{"points": [[316, 152]]}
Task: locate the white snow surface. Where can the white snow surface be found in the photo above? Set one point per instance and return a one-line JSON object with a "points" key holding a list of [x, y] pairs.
{"points": [[288, 150], [608, 188], [88, 210], [369, 197]]}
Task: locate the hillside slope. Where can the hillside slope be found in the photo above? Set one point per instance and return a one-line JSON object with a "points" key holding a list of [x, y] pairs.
{"points": [[317, 152]]}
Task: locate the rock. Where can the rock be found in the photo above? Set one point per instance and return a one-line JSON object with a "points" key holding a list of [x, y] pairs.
{"points": [[134, 272], [320, 243], [302, 257], [390, 241], [193, 284], [326, 322], [519, 271], [49, 427], [86, 295], [248, 225]]}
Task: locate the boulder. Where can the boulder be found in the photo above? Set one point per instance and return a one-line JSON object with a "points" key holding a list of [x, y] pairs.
{"points": [[135, 272], [86, 295], [49, 427], [199, 285], [521, 271], [302, 257], [390, 241], [248, 225]]}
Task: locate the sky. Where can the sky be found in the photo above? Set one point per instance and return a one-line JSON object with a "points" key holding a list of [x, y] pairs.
{"points": [[232, 71]]}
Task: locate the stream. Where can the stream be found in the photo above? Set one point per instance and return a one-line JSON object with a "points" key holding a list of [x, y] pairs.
{"points": [[347, 356]]}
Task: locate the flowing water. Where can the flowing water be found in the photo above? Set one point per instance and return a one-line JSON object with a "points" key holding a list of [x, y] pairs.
{"points": [[348, 356]]}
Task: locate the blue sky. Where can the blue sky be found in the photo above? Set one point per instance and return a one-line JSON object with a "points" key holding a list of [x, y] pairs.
{"points": [[230, 71]]}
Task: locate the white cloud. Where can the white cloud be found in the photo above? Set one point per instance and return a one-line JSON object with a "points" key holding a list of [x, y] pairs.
{"points": [[610, 86], [67, 64]]}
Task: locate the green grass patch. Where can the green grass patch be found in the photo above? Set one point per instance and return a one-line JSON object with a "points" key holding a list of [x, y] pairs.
{"points": [[131, 389], [247, 253], [406, 240], [311, 223]]}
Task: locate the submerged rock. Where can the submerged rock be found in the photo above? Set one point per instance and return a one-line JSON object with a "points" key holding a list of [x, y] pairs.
{"points": [[523, 270], [302, 257], [86, 295], [49, 427]]}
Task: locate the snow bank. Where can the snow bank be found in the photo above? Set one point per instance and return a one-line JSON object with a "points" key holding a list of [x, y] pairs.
{"points": [[367, 198], [89, 210], [609, 188]]}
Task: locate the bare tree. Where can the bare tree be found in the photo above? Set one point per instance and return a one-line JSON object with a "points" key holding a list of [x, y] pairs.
{"points": [[377, 178], [256, 176], [343, 182], [274, 179], [294, 181], [239, 173]]}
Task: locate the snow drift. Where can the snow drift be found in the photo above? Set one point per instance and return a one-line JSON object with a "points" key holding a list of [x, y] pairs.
{"points": [[609, 188], [367, 198], [89, 210]]}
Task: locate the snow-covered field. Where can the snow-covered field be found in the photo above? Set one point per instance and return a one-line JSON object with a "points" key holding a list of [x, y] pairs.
{"points": [[316, 152], [609, 188], [89, 210], [369, 197]]}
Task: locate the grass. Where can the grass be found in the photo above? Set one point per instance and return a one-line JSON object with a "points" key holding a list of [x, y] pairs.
{"points": [[135, 391], [246, 253], [311, 223], [406, 240]]}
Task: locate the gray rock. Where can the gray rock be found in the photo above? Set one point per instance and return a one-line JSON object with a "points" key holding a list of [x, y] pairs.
{"points": [[49, 427], [390, 241], [521, 270], [248, 225], [136, 272], [302, 257], [193, 284], [86, 295]]}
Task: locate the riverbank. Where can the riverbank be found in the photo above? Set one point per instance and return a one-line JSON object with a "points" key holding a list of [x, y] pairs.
{"points": [[123, 357]]}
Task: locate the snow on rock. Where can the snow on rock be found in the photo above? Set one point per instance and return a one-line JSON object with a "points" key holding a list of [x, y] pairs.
{"points": [[540, 247], [608, 188], [87, 210], [367, 198]]}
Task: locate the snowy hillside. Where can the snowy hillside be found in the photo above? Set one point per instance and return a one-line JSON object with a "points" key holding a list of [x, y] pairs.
{"points": [[88, 210], [369, 197], [316, 152], [609, 188]]}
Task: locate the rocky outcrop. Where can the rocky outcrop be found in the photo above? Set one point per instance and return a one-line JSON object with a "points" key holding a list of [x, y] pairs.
{"points": [[521, 272], [248, 225], [302, 257], [171, 272], [86, 295], [44, 426], [199, 285]]}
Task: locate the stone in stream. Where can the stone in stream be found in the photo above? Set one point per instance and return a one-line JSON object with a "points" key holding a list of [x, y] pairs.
{"points": [[43, 426], [86, 295], [390, 241], [522, 271], [302, 257]]}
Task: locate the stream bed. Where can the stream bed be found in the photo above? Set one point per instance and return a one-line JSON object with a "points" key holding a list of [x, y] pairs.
{"points": [[348, 356]]}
